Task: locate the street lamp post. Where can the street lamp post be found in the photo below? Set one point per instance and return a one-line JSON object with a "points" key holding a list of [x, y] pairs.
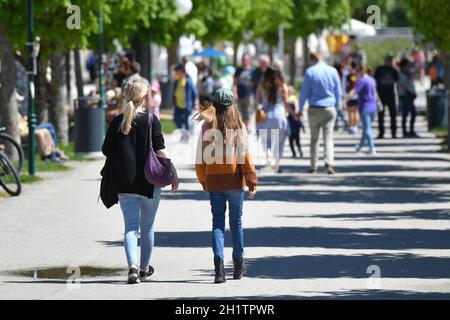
{"points": [[32, 120]]}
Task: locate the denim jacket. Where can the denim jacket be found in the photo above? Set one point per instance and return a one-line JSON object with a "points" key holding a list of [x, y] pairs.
{"points": [[191, 94]]}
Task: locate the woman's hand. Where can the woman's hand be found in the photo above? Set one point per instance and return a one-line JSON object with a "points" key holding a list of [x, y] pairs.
{"points": [[175, 183], [175, 180], [252, 194]]}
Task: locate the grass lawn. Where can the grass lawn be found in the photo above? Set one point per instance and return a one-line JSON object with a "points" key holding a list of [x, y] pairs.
{"points": [[442, 133], [167, 125]]}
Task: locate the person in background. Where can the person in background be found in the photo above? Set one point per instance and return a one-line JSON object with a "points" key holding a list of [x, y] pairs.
{"points": [[322, 88], [242, 89], [205, 84], [226, 80], [124, 71], [185, 98], [274, 96], [191, 69], [155, 99], [407, 95], [225, 179], [340, 112], [258, 73], [135, 74], [366, 89], [435, 71], [295, 123], [91, 66], [351, 101], [387, 81]]}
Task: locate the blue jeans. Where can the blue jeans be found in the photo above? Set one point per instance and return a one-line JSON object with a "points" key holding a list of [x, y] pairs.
{"points": [[218, 202], [366, 120], [139, 211]]}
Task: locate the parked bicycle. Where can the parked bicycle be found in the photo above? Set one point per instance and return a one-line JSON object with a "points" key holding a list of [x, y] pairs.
{"points": [[9, 174], [12, 149]]}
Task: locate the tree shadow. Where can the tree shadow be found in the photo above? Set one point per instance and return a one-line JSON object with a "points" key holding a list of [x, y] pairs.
{"points": [[311, 237], [354, 266], [430, 214], [404, 182]]}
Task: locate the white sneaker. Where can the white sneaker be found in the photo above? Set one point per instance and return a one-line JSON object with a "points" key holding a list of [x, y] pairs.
{"points": [[372, 152]]}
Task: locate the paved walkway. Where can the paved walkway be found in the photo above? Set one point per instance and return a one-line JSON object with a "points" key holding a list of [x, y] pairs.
{"points": [[306, 236]]}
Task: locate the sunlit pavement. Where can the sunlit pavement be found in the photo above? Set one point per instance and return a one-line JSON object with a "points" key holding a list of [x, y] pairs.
{"points": [[379, 228]]}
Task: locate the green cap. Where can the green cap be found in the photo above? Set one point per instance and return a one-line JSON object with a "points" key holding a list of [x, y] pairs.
{"points": [[223, 97]]}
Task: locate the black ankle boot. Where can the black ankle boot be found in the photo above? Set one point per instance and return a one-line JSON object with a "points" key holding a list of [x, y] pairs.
{"points": [[219, 270], [239, 269]]}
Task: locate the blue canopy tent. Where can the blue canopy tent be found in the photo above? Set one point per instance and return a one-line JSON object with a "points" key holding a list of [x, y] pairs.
{"points": [[209, 53]]}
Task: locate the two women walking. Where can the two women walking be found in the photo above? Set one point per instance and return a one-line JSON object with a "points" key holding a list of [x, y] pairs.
{"points": [[127, 145]]}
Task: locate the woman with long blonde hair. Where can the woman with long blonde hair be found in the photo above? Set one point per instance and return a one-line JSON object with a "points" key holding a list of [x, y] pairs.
{"points": [[224, 168], [127, 142]]}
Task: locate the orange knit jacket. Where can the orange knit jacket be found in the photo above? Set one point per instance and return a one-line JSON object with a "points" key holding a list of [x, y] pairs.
{"points": [[215, 177]]}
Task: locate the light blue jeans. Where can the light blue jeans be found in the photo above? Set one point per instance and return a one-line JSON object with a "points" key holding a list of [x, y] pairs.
{"points": [[139, 212], [218, 200], [366, 120]]}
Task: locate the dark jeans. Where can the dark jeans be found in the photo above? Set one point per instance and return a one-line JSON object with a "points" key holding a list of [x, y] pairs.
{"points": [[294, 140], [218, 202], [407, 107], [181, 118], [390, 103]]}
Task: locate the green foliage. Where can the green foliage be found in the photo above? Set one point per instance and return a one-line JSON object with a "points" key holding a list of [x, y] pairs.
{"points": [[264, 18], [432, 20], [376, 51], [311, 16]]}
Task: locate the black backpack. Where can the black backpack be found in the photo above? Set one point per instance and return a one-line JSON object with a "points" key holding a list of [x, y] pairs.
{"points": [[108, 191]]}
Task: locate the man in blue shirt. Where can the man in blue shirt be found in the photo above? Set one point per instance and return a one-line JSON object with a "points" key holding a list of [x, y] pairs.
{"points": [[322, 88]]}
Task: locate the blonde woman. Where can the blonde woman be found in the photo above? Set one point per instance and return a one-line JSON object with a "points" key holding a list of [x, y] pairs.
{"points": [[127, 143]]}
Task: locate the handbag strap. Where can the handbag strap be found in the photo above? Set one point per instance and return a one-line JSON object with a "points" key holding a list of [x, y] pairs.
{"points": [[150, 122]]}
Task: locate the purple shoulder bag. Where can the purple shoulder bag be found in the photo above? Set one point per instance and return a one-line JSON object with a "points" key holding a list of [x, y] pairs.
{"points": [[157, 170]]}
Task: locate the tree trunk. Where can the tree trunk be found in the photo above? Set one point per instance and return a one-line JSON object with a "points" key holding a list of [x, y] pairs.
{"points": [[292, 60], [305, 54], [446, 65], [172, 57], [235, 52], [78, 74], [59, 115], [68, 71], [271, 53], [41, 90], [9, 113]]}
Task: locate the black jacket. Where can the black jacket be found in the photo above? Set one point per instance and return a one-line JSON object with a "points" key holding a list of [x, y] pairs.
{"points": [[129, 153]]}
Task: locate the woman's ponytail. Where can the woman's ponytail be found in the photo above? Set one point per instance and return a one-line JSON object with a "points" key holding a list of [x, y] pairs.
{"points": [[133, 92], [128, 117]]}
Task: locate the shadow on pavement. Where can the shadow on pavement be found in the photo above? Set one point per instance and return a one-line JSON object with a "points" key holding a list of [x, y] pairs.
{"points": [[430, 214], [355, 266], [312, 237], [346, 295]]}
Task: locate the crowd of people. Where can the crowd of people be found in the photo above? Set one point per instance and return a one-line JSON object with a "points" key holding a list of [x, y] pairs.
{"points": [[256, 100], [348, 94]]}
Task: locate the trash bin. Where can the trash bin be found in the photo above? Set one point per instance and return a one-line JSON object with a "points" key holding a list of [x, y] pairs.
{"points": [[89, 127], [166, 87], [437, 108]]}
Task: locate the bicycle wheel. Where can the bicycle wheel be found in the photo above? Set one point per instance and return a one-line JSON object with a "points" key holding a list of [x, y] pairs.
{"points": [[9, 179], [13, 149]]}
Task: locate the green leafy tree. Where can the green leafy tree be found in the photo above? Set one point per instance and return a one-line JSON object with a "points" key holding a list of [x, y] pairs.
{"points": [[312, 16], [432, 20]]}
